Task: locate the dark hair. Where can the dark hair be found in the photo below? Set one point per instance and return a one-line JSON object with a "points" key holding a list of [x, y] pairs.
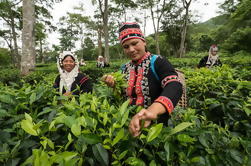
{"points": [[67, 56]]}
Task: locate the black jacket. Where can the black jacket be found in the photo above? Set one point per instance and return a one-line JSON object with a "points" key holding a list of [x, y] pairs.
{"points": [[203, 62], [81, 81], [168, 86]]}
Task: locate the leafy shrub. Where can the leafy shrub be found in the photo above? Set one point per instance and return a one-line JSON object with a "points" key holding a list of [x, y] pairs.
{"points": [[9, 75], [40, 127], [239, 40], [5, 57], [219, 96]]}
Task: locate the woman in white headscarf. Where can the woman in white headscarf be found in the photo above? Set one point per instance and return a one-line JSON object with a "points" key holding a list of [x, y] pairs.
{"points": [[212, 59], [70, 80]]}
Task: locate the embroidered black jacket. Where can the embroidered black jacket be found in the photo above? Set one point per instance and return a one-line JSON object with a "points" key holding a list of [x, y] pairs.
{"points": [[144, 88], [81, 81]]}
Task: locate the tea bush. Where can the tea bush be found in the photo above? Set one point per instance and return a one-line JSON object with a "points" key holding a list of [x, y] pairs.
{"points": [[40, 127]]}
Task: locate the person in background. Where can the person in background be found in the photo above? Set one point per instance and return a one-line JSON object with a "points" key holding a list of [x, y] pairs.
{"points": [[69, 78], [82, 62], [212, 59], [100, 62], [157, 97]]}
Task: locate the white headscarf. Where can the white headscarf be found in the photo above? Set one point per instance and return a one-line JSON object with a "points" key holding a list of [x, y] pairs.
{"points": [[212, 58], [67, 78]]}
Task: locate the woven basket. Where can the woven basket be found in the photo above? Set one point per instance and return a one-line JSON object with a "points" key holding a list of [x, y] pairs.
{"points": [[183, 100]]}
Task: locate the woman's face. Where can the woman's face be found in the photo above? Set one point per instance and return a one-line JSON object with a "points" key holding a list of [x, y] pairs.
{"points": [[134, 49], [68, 63], [214, 52]]}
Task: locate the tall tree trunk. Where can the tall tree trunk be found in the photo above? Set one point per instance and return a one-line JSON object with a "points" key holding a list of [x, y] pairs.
{"points": [[182, 41], [9, 43], [184, 28], [41, 51], [156, 33], [16, 56], [28, 37], [145, 17], [106, 34], [99, 41], [156, 27]]}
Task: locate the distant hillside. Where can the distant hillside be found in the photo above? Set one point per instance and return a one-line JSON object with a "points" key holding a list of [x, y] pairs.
{"points": [[209, 25]]}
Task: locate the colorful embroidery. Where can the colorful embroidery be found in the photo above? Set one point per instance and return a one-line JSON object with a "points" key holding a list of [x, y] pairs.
{"points": [[130, 82], [166, 102], [140, 86], [168, 79]]}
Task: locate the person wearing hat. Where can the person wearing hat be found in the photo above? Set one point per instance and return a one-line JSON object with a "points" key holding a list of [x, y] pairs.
{"points": [[100, 62], [70, 81], [157, 97], [212, 59]]}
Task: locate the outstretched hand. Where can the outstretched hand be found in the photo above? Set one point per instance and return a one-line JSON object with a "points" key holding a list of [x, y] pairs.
{"points": [[67, 94], [143, 115], [147, 115], [109, 80]]}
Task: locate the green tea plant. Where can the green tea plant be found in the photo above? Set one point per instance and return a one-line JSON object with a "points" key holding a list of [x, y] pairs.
{"points": [[38, 126], [219, 96]]}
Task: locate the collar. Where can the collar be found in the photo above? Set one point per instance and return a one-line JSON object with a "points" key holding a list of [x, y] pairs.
{"points": [[147, 54]]}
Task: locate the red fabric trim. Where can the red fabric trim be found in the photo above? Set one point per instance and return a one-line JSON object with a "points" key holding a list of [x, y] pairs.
{"points": [[173, 80], [167, 79], [167, 103], [83, 80], [138, 87], [133, 37], [147, 54], [130, 31], [131, 83]]}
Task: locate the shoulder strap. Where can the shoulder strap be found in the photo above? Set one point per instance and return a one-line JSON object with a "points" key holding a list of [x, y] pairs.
{"points": [[123, 67], [153, 58]]}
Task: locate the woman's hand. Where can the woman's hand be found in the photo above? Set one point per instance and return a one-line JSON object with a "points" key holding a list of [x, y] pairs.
{"points": [[67, 94], [149, 114], [109, 80]]}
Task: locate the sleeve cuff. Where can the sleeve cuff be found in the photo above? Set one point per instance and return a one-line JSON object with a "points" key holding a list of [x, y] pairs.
{"points": [[166, 102]]}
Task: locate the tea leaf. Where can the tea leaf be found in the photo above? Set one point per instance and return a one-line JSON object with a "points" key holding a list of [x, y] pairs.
{"points": [[154, 132], [27, 125], [100, 154], [32, 98], [180, 127], [91, 138], [118, 137], [76, 129]]}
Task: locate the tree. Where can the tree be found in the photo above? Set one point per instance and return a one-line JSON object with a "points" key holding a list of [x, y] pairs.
{"points": [[88, 49], [157, 8], [28, 37], [10, 13], [186, 5], [79, 21], [104, 10], [69, 33], [171, 25], [235, 34], [40, 37]]}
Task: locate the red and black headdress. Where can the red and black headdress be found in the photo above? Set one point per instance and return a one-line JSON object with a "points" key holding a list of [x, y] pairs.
{"points": [[130, 31]]}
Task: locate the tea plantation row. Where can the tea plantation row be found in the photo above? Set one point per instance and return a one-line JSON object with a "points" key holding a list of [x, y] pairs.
{"points": [[40, 127]]}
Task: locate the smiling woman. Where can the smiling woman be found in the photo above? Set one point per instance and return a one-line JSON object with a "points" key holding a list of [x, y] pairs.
{"points": [[70, 80], [158, 97]]}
